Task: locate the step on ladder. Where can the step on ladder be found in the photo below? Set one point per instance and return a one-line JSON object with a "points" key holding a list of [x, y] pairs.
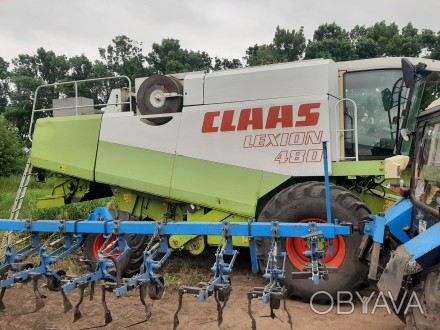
{"points": [[18, 202]]}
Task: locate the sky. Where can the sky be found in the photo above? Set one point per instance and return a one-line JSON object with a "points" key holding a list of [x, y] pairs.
{"points": [[221, 28]]}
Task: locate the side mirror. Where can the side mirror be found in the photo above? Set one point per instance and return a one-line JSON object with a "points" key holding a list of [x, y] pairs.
{"points": [[387, 99], [409, 73]]}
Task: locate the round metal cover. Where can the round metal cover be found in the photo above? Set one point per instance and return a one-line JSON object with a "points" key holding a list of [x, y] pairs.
{"points": [[160, 94]]}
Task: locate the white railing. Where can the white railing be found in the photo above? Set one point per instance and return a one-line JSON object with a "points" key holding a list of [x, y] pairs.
{"points": [[76, 106]]}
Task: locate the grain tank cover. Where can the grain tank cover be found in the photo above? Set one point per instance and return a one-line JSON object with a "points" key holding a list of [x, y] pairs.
{"points": [[303, 78]]}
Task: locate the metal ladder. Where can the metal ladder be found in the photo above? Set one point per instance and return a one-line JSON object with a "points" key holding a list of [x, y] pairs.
{"points": [[18, 202]]}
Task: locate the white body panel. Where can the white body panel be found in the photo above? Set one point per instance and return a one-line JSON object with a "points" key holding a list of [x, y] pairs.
{"points": [[272, 118], [299, 149], [135, 132]]}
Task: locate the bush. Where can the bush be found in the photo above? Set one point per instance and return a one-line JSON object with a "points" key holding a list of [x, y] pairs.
{"points": [[12, 154]]}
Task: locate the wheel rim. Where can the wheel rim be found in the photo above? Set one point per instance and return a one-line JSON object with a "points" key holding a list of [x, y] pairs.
{"points": [[296, 247], [97, 244]]}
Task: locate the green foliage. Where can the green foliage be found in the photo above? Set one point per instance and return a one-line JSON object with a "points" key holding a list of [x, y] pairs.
{"points": [[4, 84], [224, 64], [70, 211], [12, 155], [168, 57], [124, 57], [287, 46], [330, 41], [8, 190], [260, 55]]}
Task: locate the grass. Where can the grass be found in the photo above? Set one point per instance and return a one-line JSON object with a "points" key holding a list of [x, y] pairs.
{"points": [[182, 269], [8, 190]]}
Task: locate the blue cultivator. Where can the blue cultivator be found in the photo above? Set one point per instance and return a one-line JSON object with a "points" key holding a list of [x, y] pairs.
{"points": [[108, 270]]}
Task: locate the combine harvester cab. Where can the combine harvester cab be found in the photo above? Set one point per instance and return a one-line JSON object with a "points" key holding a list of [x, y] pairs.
{"points": [[236, 144]]}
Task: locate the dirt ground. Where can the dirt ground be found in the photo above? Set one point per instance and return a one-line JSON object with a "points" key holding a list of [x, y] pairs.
{"points": [[128, 312]]}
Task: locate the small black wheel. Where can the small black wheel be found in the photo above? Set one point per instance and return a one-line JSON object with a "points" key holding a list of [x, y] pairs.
{"points": [[155, 291], [305, 202], [52, 282], [274, 303], [26, 266]]}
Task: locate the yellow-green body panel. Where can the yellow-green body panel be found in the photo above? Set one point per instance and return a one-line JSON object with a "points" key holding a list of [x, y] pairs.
{"points": [[134, 168], [67, 145], [360, 168], [219, 186]]}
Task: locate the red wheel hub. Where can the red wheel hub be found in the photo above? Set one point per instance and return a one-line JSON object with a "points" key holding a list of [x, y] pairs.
{"points": [[97, 244], [296, 247]]}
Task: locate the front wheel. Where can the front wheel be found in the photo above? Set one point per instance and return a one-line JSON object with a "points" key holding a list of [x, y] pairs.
{"points": [[305, 202]]}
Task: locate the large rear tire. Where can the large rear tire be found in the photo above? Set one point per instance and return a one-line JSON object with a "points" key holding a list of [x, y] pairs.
{"points": [[428, 294], [137, 243], [305, 202]]}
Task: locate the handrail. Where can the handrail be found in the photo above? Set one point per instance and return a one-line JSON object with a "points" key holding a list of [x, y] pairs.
{"points": [[354, 130], [76, 106]]}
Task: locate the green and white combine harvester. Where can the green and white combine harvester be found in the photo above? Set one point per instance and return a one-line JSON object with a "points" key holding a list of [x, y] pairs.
{"points": [[238, 144]]}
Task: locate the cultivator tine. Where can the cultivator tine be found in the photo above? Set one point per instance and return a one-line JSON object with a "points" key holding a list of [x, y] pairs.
{"points": [[289, 316], [118, 269], [253, 324], [142, 295], [176, 314], [219, 308], [66, 303], [92, 290], [4, 271], [77, 313], [2, 305], [2, 292], [107, 315], [38, 296]]}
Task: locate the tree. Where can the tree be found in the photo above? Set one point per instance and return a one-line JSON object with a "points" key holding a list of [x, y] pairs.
{"points": [[287, 46], [386, 40], [330, 41], [124, 57], [4, 84], [28, 73], [168, 57], [260, 55], [430, 41], [12, 155], [224, 64]]}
